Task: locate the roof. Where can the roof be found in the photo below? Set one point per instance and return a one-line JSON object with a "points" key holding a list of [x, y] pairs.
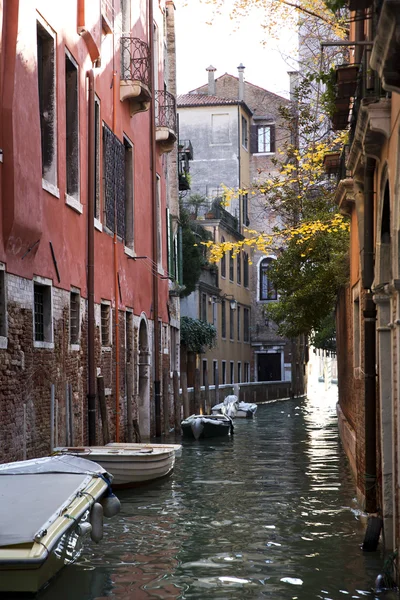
{"points": [[246, 83], [203, 100]]}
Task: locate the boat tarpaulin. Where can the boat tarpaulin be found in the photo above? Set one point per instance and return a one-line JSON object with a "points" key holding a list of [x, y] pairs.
{"points": [[33, 492]]}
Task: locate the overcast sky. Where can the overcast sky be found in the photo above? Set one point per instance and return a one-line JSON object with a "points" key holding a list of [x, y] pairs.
{"points": [[225, 46]]}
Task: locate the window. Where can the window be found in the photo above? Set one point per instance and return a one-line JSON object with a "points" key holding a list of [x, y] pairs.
{"points": [[245, 210], [246, 324], [159, 222], [215, 371], [97, 158], [245, 135], [223, 260], [246, 371], [246, 270], [231, 323], [239, 269], [231, 265], [74, 317], [223, 378], [267, 290], [43, 321], [203, 307], [105, 324], [232, 371], [46, 70], [72, 127], [356, 336], [220, 133], [223, 319], [3, 303], [239, 324], [129, 193], [214, 313], [239, 372], [205, 376], [129, 336], [266, 139], [113, 182]]}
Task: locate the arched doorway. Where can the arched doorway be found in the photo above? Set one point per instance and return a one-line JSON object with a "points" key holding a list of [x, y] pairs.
{"points": [[144, 380]]}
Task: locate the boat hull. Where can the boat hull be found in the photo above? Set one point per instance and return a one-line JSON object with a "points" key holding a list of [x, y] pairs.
{"points": [[129, 468], [199, 427]]}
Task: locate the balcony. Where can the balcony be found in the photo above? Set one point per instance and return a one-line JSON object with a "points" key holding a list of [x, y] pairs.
{"points": [[166, 132], [185, 155], [135, 82], [344, 90], [385, 56]]}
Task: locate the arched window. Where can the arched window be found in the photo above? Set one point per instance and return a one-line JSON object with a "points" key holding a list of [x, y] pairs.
{"points": [[223, 260], [267, 290]]}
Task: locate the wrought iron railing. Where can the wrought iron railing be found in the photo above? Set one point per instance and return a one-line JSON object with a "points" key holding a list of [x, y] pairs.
{"points": [[135, 60], [369, 87], [165, 105]]}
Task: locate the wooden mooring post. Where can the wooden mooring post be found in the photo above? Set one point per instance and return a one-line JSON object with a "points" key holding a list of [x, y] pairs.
{"points": [[177, 402], [185, 397], [207, 400], [103, 409], [197, 395], [166, 401]]}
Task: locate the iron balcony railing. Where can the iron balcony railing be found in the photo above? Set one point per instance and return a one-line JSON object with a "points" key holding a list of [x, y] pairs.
{"points": [[135, 60], [165, 105]]}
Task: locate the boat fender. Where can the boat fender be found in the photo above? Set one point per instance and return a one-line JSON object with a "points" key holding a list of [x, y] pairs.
{"points": [[96, 520], [84, 528], [111, 505]]}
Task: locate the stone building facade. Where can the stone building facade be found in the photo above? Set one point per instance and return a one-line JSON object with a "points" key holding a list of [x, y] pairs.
{"points": [[89, 220], [250, 161]]}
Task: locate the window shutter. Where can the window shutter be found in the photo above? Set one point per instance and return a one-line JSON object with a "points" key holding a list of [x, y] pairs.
{"points": [[273, 138], [254, 139]]}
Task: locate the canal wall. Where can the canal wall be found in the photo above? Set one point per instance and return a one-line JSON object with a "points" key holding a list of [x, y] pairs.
{"points": [[257, 392]]}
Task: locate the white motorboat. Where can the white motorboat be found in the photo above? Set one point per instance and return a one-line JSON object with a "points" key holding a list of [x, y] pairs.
{"points": [[177, 448], [206, 426], [233, 408], [47, 505], [129, 466], [246, 410], [228, 407]]}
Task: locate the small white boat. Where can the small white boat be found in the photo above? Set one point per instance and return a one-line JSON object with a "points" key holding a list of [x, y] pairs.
{"points": [[129, 467], [206, 426], [47, 505], [246, 410], [177, 448], [233, 408]]}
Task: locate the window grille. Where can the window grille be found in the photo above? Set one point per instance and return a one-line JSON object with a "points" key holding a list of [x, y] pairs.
{"points": [[74, 317], [39, 313], [114, 182], [105, 325]]}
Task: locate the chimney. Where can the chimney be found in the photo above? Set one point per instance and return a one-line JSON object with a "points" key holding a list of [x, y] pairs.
{"points": [[241, 69], [211, 81], [293, 83]]}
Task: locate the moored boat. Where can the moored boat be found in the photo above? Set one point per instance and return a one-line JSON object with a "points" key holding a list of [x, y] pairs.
{"points": [[129, 467], [246, 410], [177, 448], [233, 408], [206, 426], [47, 506]]}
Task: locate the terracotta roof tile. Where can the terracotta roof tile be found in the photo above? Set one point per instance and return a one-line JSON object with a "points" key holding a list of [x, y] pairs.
{"points": [[202, 100]]}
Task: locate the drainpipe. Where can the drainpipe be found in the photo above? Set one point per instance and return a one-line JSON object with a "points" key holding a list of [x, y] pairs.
{"points": [[91, 396], [153, 168], [369, 342], [116, 289]]}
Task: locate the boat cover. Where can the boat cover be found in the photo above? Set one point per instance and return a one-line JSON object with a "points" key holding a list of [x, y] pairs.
{"points": [[32, 493]]}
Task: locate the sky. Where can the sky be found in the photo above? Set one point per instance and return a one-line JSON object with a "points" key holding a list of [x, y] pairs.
{"points": [[224, 45]]}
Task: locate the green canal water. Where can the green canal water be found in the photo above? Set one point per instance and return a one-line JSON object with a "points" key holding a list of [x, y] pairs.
{"points": [[269, 513]]}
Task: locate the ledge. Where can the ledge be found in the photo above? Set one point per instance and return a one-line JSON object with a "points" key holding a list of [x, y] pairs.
{"points": [[74, 203], [51, 188]]}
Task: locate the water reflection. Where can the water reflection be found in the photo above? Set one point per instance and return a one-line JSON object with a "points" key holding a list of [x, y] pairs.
{"points": [[268, 514]]}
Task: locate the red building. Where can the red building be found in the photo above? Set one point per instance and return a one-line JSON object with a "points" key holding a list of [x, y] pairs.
{"points": [[89, 219]]}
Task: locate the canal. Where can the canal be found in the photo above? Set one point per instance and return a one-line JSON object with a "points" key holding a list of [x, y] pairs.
{"points": [[270, 513]]}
